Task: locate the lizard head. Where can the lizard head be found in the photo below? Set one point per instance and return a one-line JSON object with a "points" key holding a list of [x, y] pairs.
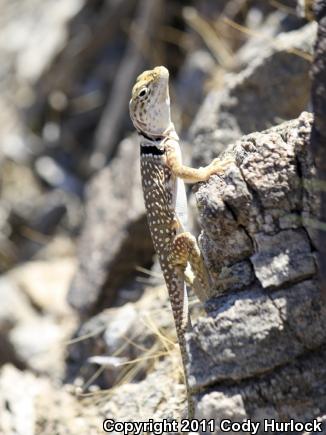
{"points": [[150, 102]]}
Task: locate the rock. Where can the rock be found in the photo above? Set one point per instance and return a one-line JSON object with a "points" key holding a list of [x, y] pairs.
{"points": [[115, 238], [44, 408], [252, 217], [27, 213], [40, 345], [217, 406], [21, 36], [46, 283], [60, 246], [19, 193], [159, 396], [35, 319], [14, 309], [264, 33], [120, 326], [294, 391], [30, 41], [263, 338], [274, 86], [15, 306], [14, 406], [249, 334], [283, 257], [53, 209], [19, 186], [56, 176]]}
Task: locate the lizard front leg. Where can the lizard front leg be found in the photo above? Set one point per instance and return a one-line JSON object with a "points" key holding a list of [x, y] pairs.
{"points": [[188, 174]]}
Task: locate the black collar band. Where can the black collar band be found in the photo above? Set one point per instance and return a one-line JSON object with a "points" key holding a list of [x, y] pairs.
{"points": [[155, 139], [152, 150]]}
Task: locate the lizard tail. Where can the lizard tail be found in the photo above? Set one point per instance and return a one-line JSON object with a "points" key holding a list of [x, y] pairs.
{"points": [[179, 302]]}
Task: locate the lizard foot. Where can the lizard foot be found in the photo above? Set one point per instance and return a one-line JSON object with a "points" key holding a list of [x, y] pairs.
{"points": [[219, 165]]}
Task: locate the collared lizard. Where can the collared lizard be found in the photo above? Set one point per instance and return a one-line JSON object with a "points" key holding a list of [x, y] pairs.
{"points": [[163, 176]]}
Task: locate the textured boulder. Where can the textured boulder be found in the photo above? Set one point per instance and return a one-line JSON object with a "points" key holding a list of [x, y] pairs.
{"points": [[115, 238], [258, 216], [252, 333], [265, 323], [274, 86]]}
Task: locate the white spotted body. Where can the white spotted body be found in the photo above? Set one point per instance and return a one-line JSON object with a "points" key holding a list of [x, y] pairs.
{"points": [[166, 206]]}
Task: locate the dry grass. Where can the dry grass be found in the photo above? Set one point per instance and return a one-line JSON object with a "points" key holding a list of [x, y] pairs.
{"points": [[164, 347]]}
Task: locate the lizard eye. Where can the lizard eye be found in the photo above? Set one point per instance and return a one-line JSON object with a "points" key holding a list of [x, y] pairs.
{"points": [[143, 92]]}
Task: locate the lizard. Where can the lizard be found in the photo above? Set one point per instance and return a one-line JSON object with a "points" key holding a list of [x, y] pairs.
{"points": [[163, 176]]}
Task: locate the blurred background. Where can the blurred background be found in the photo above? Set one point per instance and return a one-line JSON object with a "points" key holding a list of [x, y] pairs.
{"points": [[72, 222]]}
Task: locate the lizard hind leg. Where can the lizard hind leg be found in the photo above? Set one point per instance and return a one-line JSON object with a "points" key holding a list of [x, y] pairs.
{"points": [[185, 249]]}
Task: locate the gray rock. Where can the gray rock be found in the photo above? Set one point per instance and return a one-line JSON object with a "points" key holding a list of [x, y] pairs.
{"points": [[28, 339], [265, 32], [217, 406], [283, 257], [32, 35], [15, 305], [44, 408], [49, 26], [262, 346], [14, 406], [293, 391], [159, 395], [254, 213], [39, 345], [274, 86], [251, 333], [46, 283], [115, 238], [14, 309]]}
